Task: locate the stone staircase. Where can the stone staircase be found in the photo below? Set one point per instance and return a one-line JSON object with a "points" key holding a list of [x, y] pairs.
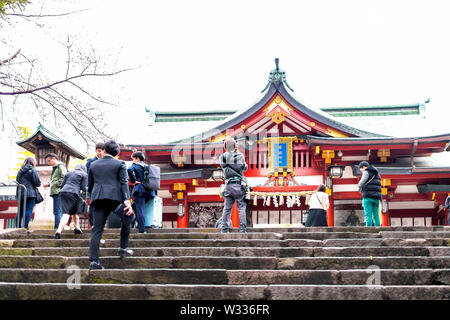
{"points": [[340, 263]]}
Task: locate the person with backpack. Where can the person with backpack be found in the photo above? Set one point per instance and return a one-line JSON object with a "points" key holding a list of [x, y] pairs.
{"points": [[370, 187], [140, 194], [233, 165]]}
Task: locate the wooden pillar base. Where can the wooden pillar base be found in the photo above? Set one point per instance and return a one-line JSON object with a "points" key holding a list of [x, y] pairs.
{"points": [[385, 219], [235, 216], [183, 222], [330, 213]]}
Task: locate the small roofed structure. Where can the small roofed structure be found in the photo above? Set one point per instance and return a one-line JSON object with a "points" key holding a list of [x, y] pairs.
{"points": [[43, 142]]}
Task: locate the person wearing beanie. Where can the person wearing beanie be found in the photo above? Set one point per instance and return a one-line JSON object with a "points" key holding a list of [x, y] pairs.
{"points": [[370, 188], [233, 165]]}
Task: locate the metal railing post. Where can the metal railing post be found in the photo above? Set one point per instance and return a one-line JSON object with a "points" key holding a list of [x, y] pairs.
{"points": [[21, 194]]}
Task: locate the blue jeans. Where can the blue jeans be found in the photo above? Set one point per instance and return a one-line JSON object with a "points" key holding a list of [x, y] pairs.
{"points": [[29, 205], [29, 210], [139, 204], [57, 210]]}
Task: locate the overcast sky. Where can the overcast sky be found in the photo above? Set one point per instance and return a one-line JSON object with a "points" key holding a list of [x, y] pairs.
{"points": [[217, 54], [211, 55], [204, 54]]}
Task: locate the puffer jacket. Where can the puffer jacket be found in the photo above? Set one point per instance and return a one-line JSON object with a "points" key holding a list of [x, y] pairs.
{"points": [[233, 165], [372, 188], [29, 177]]}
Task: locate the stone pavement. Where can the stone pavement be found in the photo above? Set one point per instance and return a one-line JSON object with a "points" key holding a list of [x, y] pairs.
{"points": [[340, 263]]}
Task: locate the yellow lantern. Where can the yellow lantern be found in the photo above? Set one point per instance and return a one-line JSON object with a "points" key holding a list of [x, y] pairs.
{"points": [[179, 186]]}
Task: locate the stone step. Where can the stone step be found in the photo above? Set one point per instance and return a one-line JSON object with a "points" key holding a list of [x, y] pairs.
{"points": [[329, 235], [415, 234], [268, 229], [317, 235], [389, 242], [22, 291], [134, 243], [379, 251], [230, 263], [341, 277], [230, 277], [162, 236], [237, 251]]}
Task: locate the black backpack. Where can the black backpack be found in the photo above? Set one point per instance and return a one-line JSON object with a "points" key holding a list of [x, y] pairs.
{"points": [[151, 177]]}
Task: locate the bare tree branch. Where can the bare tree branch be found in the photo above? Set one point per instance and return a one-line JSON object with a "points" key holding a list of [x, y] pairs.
{"points": [[80, 112], [91, 96], [10, 59], [19, 92], [32, 90], [21, 15], [62, 113], [68, 57]]}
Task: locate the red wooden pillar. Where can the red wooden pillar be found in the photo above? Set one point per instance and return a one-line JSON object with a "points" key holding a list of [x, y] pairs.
{"points": [[330, 213], [384, 218], [235, 216], [183, 222]]}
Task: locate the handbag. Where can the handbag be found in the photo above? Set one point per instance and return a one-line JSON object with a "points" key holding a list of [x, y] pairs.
{"points": [[125, 219], [82, 208], [39, 197]]}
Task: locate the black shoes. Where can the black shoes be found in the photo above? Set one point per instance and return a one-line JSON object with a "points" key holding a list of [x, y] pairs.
{"points": [[95, 265], [76, 231], [125, 252]]}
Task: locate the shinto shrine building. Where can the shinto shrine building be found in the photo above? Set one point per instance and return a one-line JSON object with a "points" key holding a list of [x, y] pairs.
{"points": [[291, 149]]}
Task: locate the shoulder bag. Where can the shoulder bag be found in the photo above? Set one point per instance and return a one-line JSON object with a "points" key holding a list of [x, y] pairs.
{"points": [[39, 197]]}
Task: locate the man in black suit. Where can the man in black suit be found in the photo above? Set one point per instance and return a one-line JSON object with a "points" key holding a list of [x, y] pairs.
{"points": [[108, 187], [98, 155]]}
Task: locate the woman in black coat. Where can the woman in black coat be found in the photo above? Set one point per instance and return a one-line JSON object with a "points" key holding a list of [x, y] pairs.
{"points": [[74, 182], [29, 177]]}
